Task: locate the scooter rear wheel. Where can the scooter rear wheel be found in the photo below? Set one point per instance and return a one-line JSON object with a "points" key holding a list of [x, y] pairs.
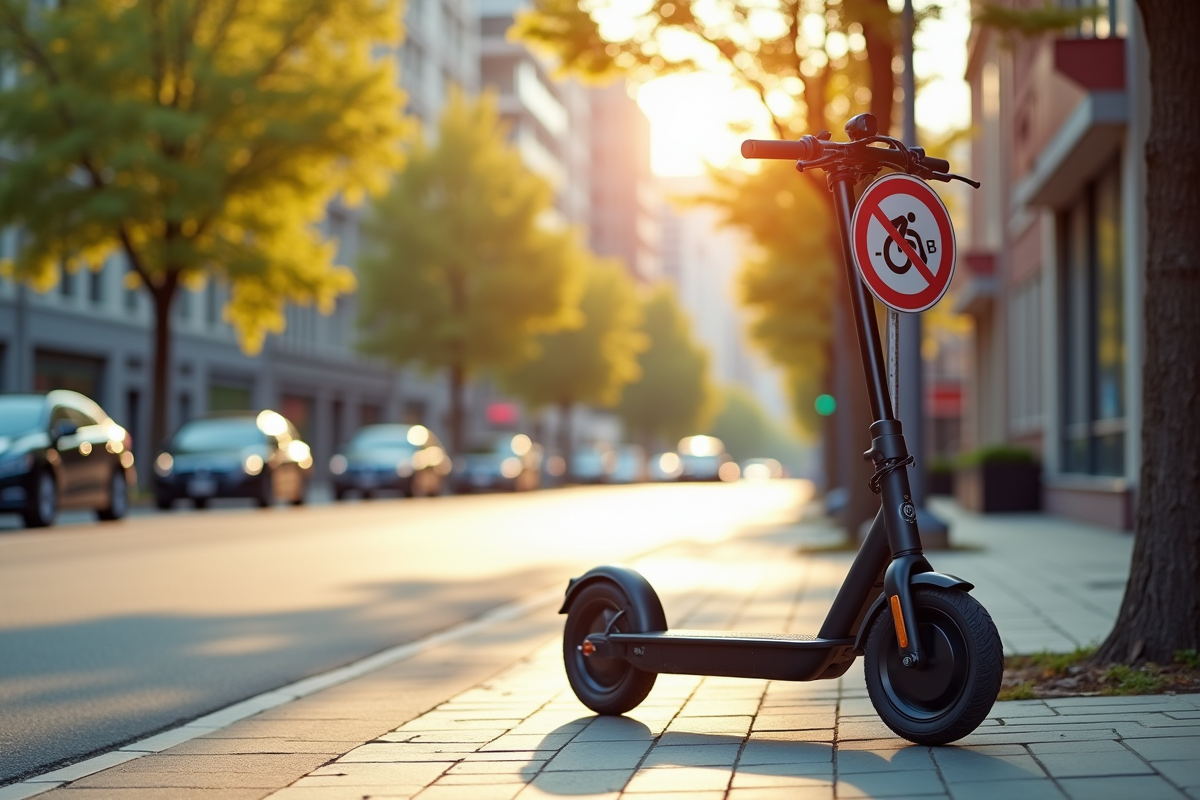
{"points": [[952, 693], [605, 685]]}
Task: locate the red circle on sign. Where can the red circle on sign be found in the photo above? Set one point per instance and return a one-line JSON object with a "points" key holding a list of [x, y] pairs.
{"points": [[868, 209]]}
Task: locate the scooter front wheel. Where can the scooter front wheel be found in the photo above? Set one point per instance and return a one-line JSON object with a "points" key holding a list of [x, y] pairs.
{"points": [[605, 685], [951, 693]]}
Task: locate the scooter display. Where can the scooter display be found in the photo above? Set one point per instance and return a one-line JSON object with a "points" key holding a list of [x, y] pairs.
{"points": [[933, 657]]}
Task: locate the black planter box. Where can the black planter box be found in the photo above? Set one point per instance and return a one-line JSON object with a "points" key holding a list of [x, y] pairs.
{"points": [[1004, 486], [939, 483]]}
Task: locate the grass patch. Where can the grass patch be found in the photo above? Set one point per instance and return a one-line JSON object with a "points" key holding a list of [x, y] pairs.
{"points": [[1073, 674]]}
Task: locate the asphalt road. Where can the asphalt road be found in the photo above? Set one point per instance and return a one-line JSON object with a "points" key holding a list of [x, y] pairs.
{"points": [[111, 632]]}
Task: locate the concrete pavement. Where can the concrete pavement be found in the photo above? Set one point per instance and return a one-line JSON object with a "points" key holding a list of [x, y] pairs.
{"points": [[491, 716]]}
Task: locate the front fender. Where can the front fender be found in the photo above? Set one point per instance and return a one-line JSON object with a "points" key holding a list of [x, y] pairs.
{"points": [[938, 579], [646, 612]]}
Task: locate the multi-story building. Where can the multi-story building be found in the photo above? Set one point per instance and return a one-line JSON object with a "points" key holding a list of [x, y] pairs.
{"points": [[625, 208], [1054, 274], [92, 334]]}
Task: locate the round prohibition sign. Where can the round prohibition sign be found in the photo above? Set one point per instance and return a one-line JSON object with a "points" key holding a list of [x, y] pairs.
{"points": [[903, 243]]}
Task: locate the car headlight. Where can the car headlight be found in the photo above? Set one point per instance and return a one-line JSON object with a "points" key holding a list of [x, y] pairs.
{"points": [[510, 467], [253, 464], [404, 467], [163, 465], [15, 465], [338, 464]]}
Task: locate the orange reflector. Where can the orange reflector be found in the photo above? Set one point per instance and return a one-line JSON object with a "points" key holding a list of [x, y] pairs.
{"points": [[901, 635], [587, 648]]}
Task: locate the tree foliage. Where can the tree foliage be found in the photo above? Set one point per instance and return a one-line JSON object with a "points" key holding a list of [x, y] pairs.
{"points": [[813, 64], [462, 270], [674, 397], [200, 138], [592, 362]]}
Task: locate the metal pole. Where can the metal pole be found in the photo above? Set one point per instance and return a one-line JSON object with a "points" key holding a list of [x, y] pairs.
{"points": [[912, 391]]}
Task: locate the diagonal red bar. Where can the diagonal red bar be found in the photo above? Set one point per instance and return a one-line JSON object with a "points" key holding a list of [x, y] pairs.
{"points": [[903, 244]]}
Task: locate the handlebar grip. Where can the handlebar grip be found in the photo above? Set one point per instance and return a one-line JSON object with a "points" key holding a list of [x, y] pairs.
{"points": [[806, 149], [936, 164]]}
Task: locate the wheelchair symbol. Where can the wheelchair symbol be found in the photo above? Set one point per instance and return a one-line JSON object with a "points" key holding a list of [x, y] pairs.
{"points": [[901, 224]]}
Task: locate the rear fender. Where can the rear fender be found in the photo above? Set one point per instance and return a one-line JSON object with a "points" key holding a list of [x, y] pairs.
{"points": [[920, 579], [646, 611]]}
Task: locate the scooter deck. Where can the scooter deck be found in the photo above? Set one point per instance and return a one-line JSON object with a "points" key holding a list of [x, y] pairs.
{"points": [[733, 654]]}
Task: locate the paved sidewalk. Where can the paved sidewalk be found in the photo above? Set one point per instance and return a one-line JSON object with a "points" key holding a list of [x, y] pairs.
{"points": [[447, 725]]}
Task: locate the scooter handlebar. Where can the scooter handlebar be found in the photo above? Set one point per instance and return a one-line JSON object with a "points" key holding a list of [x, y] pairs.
{"points": [[806, 149]]}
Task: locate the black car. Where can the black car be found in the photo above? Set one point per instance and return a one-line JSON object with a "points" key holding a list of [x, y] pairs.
{"points": [[404, 458], [61, 451], [241, 454], [507, 461]]}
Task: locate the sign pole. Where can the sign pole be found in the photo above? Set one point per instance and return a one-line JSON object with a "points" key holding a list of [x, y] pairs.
{"points": [[912, 393]]}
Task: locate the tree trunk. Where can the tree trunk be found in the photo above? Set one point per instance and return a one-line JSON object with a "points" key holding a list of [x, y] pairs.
{"points": [[565, 447], [458, 390], [1161, 609], [163, 298]]}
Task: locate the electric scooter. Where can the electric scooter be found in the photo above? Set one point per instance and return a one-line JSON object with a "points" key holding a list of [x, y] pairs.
{"points": [[933, 657]]}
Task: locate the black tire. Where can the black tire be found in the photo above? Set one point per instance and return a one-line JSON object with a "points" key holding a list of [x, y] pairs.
{"points": [[953, 692], [266, 490], [118, 497], [200, 503], [162, 503], [605, 685], [43, 505], [339, 493]]}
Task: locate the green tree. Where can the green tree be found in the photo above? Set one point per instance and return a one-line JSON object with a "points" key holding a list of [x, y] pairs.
{"points": [[462, 271], [199, 139], [674, 396], [813, 64], [590, 363], [741, 424]]}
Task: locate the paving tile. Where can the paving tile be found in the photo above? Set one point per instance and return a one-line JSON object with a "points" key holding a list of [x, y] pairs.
{"points": [[339, 793], [697, 755], [763, 751], [1149, 787], [388, 752], [792, 722], [864, 730], [522, 767], [782, 793], [910, 758], [71, 793], [1019, 789], [678, 779], [963, 766], [1090, 746], [342, 773], [1077, 765], [1169, 748], [516, 741], [723, 726], [616, 729], [817, 735], [496, 791], [890, 784], [1181, 773], [580, 783], [784, 775], [598, 756]]}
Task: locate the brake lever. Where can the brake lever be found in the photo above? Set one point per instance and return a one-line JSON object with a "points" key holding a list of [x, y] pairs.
{"points": [[946, 177]]}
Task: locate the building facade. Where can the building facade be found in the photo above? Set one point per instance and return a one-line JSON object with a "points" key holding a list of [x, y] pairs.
{"points": [[1054, 275]]}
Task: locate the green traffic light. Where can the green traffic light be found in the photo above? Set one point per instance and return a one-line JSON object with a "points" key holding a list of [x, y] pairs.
{"points": [[825, 405]]}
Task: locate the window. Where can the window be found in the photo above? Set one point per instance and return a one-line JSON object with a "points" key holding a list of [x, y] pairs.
{"points": [[1093, 331], [1025, 356], [96, 286]]}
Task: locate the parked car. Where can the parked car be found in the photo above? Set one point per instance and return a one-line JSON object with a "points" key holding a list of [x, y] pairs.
{"points": [[703, 458], [60, 451], [507, 461], [593, 463], [239, 454], [761, 469], [404, 458], [631, 464], [665, 467]]}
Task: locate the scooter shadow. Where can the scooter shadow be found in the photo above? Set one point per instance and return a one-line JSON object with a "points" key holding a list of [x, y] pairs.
{"points": [[604, 755]]}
